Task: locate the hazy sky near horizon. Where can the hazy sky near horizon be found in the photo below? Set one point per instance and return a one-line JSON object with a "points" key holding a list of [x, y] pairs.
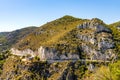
{"points": [[16, 14]]}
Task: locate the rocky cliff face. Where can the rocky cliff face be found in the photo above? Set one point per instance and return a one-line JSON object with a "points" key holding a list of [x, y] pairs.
{"points": [[94, 26], [96, 43], [52, 54], [45, 53], [99, 43]]}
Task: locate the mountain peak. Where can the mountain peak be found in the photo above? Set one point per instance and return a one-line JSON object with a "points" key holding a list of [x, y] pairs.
{"points": [[68, 18], [97, 20]]}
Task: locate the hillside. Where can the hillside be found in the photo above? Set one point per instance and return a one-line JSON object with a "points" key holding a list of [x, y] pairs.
{"points": [[49, 33], [67, 48], [3, 40], [7, 39], [115, 27], [52, 33], [69, 38]]}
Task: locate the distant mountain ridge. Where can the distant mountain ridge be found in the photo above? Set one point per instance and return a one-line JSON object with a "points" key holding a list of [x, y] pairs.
{"points": [[7, 39]]}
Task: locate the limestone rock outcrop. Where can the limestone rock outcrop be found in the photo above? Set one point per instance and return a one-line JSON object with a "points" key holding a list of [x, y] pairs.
{"points": [[95, 26], [97, 44]]}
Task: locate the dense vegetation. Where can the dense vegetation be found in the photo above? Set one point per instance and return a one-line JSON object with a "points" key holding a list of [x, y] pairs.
{"points": [[3, 56], [115, 27], [110, 72]]}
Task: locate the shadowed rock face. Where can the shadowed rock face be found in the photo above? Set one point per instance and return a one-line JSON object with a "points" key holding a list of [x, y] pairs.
{"points": [[95, 26], [96, 45], [101, 28]]}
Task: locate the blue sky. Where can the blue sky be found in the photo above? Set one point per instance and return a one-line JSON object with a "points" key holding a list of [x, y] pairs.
{"points": [[16, 14]]}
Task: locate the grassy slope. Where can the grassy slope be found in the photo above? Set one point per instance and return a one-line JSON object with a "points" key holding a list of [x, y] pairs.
{"points": [[50, 33]]}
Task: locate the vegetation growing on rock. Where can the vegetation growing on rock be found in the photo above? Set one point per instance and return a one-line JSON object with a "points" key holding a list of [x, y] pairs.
{"points": [[71, 49]]}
